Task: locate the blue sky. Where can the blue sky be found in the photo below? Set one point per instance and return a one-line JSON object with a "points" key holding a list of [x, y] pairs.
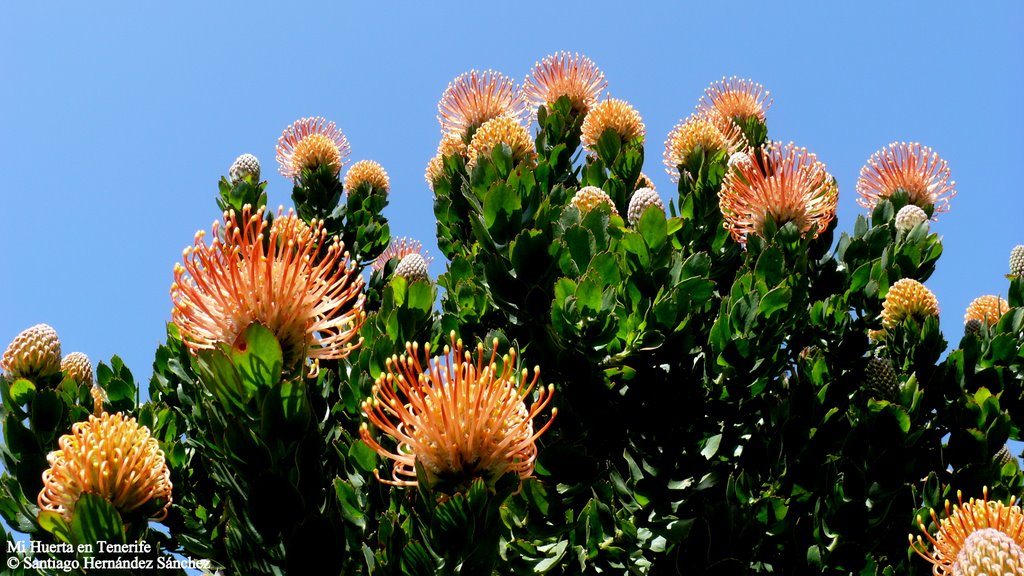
{"points": [[117, 121]]}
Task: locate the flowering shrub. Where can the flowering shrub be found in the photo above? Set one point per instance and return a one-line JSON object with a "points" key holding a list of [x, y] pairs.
{"points": [[613, 380]]}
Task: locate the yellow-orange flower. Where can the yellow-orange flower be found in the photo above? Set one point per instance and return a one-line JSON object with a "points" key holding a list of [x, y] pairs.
{"points": [[278, 276], [450, 145], [908, 298], [698, 132], [735, 99], [986, 309], [611, 114], [399, 248], [974, 539], [112, 457], [474, 98], [589, 197], [787, 183], [565, 74], [502, 130], [455, 418], [370, 172], [76, 366], [917, 170], [311, 142], [34, 353]]}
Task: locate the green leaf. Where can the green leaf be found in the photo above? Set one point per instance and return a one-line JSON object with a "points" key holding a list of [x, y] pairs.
{"points": [[364, 456], [96, 519], [711, 446], [608, 145], [654, 229], [257, 355], [776, 299], [351, 509], [500, 200], [22, 391]]}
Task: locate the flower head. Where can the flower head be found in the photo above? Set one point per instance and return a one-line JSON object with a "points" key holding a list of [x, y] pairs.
{"points": [[455, 417], [474, 98], [400, 248], [697, 132], [502, 130], [278, 275], [34, 353], [370, 172], [450, 145], [1017, 261], [644, 181], [880, 379], [788, 184], [986, 309], [908, 298], [412, 267], [911, 167], [590, 197], [910, 216], [611, 114], [975, 539], [565, 74], [244, 165], [641, 200], [112, 457], [311, 142], [76, 366], [735, 99]]}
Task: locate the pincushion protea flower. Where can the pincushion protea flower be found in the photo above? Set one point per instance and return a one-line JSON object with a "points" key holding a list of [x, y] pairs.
{"points": [[698, 132], [908, 298], [644, 181], [880, 379], [412, 267], [474, 98], [311, 142], [613, 114], [735, 99], [450, 145], [34, 353], [589, 197], [367, 171], [456, 418], [911, 167], [282, 278], [910, 216], [564, 74], [399, 248], [975, 539], [788, 184], [986, 309], [112, 457], [502, 130], [244, 165], [1017, 261], [641, 200], [76, 366]]}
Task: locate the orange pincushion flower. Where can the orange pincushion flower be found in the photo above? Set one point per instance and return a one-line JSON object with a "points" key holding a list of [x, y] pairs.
{"points": [[112, 457], [502, 130], [76, 366], [456, 418], [589, 197], [34, 353], [986, 309], [399, 248], [697, 131], [565, 74], [613, 114], [311, 142], [450, 145], [975, 539], [474, 98], [310, 299], [908, 298], [735, 99], [370, 172], [910, 167], [787, 183]]}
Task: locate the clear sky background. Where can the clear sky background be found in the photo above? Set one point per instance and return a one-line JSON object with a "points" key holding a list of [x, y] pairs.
{"points": [[116, 122]]}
